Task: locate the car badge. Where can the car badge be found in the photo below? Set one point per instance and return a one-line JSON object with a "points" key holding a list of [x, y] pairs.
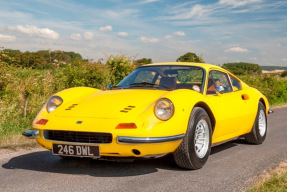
{"points": [[79, 122]]}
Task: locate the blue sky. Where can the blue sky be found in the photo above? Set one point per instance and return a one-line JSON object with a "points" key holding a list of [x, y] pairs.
{"points": [[220, 31]]}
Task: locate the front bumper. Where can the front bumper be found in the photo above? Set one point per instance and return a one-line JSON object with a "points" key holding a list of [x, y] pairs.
{"points": [[121, 146], [146, 140], [31, 134]]}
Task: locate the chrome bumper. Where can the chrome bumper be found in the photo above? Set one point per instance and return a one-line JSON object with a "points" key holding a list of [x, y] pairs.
{"points": [[147, 140], [31, 134]]}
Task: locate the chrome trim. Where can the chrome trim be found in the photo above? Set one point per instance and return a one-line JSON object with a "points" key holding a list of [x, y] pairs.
{"points": [[31, 134], [270, 111], [146, 140]]}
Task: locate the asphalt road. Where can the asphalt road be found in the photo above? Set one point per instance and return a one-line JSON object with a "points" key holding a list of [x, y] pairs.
{"points": [[231, 167]]}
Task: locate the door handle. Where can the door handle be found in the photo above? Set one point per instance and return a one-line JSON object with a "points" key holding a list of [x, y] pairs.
{"points": [[245, 97]]}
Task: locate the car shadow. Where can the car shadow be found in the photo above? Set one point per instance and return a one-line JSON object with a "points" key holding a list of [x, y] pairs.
{"points": [[44, 161], [228, 145]]}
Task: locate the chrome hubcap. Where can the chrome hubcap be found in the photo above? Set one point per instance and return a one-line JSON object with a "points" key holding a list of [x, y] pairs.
{"points": [[262, 123], [201, 141]]}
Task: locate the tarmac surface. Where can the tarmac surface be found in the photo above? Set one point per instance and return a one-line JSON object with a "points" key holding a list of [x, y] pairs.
{"points": [[233, 166]]}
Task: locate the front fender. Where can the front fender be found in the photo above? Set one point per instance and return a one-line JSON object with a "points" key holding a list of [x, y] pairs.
{"points": [[68, 96]]}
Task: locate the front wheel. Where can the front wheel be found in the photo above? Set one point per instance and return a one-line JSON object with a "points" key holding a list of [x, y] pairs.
{"points": [[194, 150], [259, 129]]}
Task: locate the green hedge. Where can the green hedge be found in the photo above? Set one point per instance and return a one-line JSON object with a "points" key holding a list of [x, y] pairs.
{"points": [[243, 68]]}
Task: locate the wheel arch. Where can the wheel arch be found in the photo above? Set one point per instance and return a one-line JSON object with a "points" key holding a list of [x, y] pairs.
{"points": [[262, 101], [208, 111]]}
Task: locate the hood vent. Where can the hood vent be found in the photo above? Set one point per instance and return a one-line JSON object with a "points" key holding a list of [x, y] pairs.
{"points": [[127, 109], [72, 106]]}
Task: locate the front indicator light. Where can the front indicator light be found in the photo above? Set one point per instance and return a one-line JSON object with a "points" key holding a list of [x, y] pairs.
{"points": [[126, 126], [164, 109], [42, 122]]}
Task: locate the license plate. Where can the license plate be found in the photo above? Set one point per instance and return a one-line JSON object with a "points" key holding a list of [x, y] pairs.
{"points": [[76, 150]]}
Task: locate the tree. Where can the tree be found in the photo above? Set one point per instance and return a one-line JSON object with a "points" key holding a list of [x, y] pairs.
{"points": [[31, 60], [142, 61], [242, 68], [190, 57], [120, 66]]}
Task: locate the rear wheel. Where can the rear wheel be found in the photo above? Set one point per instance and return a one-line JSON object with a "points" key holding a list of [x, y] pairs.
{"points": [[194, 150], [259, 129]]}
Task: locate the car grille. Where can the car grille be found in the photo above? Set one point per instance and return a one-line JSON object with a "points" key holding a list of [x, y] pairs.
{"points": [[78, 136]]}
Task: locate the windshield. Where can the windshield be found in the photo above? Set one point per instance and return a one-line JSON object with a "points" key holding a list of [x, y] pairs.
{"points": [[164, 77]]}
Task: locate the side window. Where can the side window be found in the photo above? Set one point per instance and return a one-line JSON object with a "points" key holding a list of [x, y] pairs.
{"points": [[235, 83], [218, 81]]}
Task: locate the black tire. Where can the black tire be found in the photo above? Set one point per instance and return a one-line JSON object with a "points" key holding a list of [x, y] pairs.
{"points": [[186, 155], [255, 137]]}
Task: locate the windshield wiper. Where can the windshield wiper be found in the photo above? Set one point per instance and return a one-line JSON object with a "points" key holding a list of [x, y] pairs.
{"points": [[118, 87], [146, 84]]}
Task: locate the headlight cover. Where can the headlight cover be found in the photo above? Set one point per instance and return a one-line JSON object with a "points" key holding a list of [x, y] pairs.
{"points": [[53, 102], [164, 109]]}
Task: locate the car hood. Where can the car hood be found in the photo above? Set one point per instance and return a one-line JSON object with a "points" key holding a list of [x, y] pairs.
{"points": [[111, 104]]}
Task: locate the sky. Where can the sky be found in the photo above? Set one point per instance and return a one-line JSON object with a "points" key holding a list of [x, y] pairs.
{"points": [[220, 31]]}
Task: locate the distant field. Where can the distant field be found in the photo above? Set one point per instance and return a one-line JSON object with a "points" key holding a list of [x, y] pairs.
{"points": [[272, 68]]}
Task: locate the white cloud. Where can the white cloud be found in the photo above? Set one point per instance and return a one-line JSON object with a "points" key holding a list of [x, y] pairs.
{"points": [[284, 59], [148, 1], [238, 3], [237, 50], [7, 38], [106, 28], [168, 37], [148, 40], [122, 34], [76, 36], [197, 10], [35, 31], [88, 35], [179, 33], [121, 14]]}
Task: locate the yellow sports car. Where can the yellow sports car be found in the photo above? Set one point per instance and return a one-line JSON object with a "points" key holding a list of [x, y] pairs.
{"points": [[163, 108]]}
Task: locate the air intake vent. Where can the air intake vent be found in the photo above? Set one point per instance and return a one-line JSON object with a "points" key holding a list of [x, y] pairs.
{"points": [[78, 136], [72, 106], [127, 109]]}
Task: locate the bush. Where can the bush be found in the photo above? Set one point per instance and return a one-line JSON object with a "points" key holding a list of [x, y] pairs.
{"points": [[87, 74], [119, 66], [272, 86], [284, 74], [243, 68]]}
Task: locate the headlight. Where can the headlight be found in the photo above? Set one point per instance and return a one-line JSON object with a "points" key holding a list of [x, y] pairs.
{"points": [[164, 109], [53, 103]]}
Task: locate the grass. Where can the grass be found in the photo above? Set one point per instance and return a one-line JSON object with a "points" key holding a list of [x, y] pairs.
{"points": [[274, 180], [16, 141]]}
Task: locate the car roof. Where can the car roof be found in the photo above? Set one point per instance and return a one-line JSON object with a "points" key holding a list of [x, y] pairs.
{"points": [[202, 65]]}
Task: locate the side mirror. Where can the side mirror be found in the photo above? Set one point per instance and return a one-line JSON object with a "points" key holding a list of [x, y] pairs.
{"points": [[109, 86]]}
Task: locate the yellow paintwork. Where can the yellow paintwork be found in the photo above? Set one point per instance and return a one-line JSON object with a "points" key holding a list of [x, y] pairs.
{"points": [[100, 112]]}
